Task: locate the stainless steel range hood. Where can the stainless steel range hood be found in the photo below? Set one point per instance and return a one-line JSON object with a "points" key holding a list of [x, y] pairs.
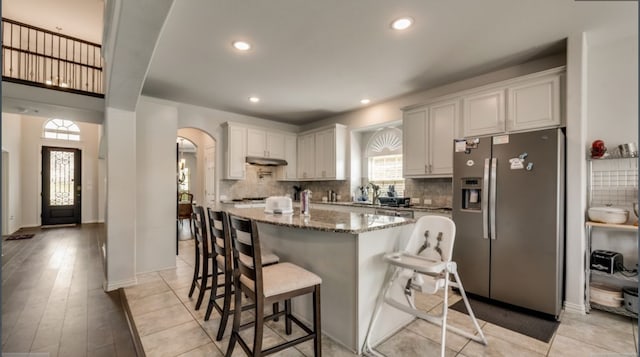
{"points": [[265, 161]]}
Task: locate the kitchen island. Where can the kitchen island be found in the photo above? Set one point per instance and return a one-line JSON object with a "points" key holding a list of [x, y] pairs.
{"points": [[345, 249]]}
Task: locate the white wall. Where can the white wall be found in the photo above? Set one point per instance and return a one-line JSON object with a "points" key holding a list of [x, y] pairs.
{"points": [[602, 102], [210, 122], [12, 143], [613, 91], [120, 217], [156, 127], [32, 142]]}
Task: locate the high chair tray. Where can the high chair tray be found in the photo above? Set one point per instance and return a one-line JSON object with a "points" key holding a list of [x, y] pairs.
{"points": [[415, 262]]}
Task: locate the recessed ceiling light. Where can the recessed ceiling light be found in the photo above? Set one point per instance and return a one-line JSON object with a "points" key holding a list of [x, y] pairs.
{"points": [[365, 101], [242, 46], [254, 99], [402, 23]]}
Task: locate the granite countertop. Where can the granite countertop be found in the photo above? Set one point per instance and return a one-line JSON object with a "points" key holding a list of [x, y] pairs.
{"points": [[411, 208], [324, 220]]}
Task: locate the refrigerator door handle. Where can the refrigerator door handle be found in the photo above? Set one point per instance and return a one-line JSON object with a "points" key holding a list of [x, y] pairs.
{"points": [[485, 200], [492, 200]]}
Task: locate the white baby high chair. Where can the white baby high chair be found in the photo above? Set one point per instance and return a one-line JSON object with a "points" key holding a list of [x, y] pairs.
{"points": [[425, 265]]}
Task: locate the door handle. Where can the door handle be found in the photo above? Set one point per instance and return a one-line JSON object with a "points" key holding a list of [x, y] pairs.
{"points": [[485, 200], [492, 200]]}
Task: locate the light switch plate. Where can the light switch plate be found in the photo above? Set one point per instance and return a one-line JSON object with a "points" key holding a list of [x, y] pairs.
{"points": [[415, 200], [427, 201]]}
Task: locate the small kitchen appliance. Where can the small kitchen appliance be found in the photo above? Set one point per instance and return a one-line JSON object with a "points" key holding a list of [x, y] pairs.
{"points": [[606, 261], [630, 299], [278, 205], [395, 201]]}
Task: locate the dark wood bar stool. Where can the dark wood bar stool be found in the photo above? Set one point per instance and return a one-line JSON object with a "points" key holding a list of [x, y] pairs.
{"points": [[264, 285], [223, 266], [203, 252]]}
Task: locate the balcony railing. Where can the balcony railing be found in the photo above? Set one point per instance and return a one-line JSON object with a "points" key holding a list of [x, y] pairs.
{"points": [[43, 58]]}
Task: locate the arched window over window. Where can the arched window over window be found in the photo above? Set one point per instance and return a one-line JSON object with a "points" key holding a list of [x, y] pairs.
{"points": [[61, 129], [384, 152]]}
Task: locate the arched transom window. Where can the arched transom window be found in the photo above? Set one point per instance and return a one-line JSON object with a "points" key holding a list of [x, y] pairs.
{"points": [[61, 129], [384, 152]]}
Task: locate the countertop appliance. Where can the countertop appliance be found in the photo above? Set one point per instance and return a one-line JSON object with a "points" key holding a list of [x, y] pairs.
{"points": [[395, 201], [606, 261], [278, 205], [391, 212], [508, 206]]}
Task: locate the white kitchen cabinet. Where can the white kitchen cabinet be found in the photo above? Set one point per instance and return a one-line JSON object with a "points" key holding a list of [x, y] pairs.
{"points": [[325, 154], [306, 156], [235, 152], [525, 103], [289, 172], [322, 154], [484, 113], [428, 134], [264, 143], [414, 134], [534, 104]]}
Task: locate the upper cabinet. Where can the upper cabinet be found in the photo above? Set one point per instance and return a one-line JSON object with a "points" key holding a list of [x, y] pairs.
{"points": [[322, 154], [484, 112], [243, 140], [526, 103], [289, 172], [428, 133], [306, 156], [534, 104], [263, 143], [235, 151]]}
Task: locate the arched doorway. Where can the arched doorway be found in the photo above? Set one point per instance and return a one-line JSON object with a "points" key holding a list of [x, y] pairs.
{"points": [[196, 170]]}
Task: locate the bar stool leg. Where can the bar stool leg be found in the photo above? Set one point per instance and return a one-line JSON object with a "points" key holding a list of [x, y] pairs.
{"points": [[236, 316], [258, 328], [317, 340], [287, 316], [214, 290], [203, 281], [196, 266], [226, 307]]}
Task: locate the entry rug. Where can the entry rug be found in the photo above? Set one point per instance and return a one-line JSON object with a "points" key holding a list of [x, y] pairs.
{"points": [[511, 318], [19, 236]]}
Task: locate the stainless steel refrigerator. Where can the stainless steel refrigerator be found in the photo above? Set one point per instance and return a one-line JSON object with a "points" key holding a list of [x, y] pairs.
{"points": [[508, 206]]}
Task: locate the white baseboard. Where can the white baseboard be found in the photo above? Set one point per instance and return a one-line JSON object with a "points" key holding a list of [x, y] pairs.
{"points": [[114, 285], [572, 307]]}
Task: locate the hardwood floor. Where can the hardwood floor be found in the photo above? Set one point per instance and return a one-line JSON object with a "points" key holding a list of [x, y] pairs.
{"points": [[52, 297]]}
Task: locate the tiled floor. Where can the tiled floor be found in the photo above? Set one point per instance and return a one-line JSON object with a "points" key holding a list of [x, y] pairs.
{"points": [[52, 297], [169, 326]]}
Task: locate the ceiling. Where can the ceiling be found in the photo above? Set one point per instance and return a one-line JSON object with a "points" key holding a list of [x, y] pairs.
{"points": [[314, 59], [77, 18]]}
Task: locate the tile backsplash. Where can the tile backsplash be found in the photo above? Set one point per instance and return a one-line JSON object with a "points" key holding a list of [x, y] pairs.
{"points": [[261, 182], [439, 190], [319, 189]]}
